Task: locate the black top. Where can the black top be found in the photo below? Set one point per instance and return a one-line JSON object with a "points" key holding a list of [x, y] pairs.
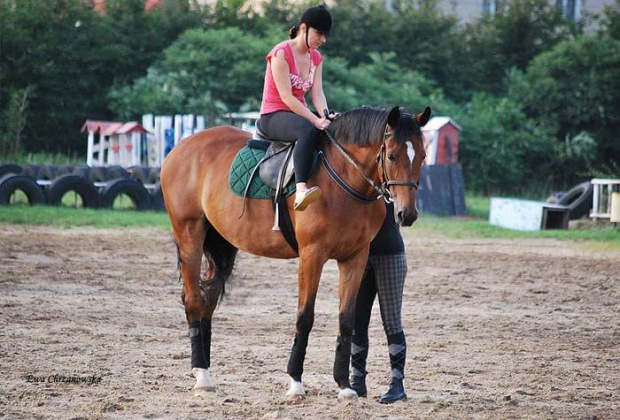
{"points": [[389, 240]]}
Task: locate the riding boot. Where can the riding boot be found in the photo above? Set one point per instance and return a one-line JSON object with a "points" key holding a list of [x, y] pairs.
{"points": [[359, 354], [398, 356]]}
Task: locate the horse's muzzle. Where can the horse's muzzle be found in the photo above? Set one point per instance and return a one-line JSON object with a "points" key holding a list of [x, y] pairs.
{"points": [[407, 217]]}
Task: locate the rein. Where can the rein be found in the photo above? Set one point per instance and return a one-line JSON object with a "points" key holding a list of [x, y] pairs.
{"points": [[383, 190]]}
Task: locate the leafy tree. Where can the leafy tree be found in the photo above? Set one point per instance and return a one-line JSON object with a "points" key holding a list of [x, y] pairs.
{"points": [[379, 83], [573, 89], [502, 150], [13, 121], [206, 72], [47, 46], [69, 56], [611, 20], [511, 38]]}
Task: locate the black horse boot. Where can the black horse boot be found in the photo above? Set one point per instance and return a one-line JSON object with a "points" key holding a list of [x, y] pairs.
{"points": [[359, 353], [398, 355]]}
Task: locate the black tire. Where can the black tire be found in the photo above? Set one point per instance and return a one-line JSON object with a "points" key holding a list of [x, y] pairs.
{"points": [[31, 170], [157, 199], [47, 172], [10, 168], [65, 183], [136, 191], [153, 177], [555, 197], [138, 173], [579, 200], [116, 172], [82, 170], [98, 174], [64, 170], [11, 183]]}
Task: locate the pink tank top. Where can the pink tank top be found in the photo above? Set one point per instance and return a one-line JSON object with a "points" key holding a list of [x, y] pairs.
{"points": [[271, 98]]}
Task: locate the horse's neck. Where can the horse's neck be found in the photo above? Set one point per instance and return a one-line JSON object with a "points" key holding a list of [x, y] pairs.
{"points": [[366, 159]]}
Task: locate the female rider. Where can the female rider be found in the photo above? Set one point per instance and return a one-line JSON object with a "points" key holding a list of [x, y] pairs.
{"points": [[295, 67]]}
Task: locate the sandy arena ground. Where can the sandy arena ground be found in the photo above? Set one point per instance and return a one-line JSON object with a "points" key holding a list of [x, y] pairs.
{"points": [[496, 329]]}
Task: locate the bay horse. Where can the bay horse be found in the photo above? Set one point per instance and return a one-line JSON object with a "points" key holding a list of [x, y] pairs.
{"points": [[365, 156]]}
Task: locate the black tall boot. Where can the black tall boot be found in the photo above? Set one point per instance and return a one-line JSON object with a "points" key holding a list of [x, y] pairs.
{"points": [[359, 354], [398, 356]]}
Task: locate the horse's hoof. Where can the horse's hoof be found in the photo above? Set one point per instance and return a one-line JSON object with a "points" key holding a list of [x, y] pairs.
{"points": [[294, 397], [296, 391], [347, 394], [203, 379], [203, 390]]}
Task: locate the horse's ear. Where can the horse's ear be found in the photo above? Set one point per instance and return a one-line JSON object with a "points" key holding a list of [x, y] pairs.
{"points": [[424, 117], [394, 117]]}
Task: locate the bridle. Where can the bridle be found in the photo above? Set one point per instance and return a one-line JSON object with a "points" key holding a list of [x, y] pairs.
{"points": [[383, 190]]}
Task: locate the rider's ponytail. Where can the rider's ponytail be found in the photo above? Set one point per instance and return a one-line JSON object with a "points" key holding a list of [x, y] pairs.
{"points": [[292, 32]]}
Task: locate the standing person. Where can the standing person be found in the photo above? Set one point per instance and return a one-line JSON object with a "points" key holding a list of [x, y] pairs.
{"points": [[384, 276], [295, 67]]}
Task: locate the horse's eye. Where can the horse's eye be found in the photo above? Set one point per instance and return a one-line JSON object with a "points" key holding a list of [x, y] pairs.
{"points": [[392, 157]]}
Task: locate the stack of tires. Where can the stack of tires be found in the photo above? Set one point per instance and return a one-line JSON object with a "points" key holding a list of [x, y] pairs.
{"points": [[97, 187]]}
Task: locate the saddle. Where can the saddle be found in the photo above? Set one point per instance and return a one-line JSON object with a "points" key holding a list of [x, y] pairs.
{"points": [[276, 170]]}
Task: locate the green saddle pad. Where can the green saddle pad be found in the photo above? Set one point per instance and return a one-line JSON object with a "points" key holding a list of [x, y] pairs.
{"points": [[241, 169]]}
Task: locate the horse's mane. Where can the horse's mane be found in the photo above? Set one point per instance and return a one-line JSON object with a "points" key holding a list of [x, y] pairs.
{"points": [[365, 125]]}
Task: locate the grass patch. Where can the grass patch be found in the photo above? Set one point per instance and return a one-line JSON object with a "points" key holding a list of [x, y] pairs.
{"points": [[41, 158], [599, 238], [594, 237], [477, 206], [71, 217]]}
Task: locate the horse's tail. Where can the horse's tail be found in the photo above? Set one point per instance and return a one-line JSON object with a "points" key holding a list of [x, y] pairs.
{"points": [[220, 256]]}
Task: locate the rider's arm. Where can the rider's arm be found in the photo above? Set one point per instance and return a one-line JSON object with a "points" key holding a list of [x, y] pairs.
{"points": [[316, 93], [280, 72]]}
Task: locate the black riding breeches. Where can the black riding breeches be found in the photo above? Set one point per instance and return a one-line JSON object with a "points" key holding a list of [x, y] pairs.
{"points": [[289, 127], [384, 276]]}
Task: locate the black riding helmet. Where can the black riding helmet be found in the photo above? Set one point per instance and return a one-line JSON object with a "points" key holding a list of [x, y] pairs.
{"points": [[317, 17]]}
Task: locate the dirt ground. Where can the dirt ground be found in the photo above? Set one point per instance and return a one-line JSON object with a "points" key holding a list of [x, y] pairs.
{"points": [[495, 328]]}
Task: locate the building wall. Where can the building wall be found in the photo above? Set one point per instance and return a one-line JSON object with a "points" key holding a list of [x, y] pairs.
{"points": [[468, 10], [446, 132]]}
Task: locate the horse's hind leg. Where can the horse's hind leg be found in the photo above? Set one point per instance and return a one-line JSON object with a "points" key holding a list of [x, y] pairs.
{"points": [[190, 235]]}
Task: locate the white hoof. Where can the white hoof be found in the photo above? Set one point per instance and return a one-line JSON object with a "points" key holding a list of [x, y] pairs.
{"points": [[347, 394], [204, 383], [296, 391], [201, 392]]}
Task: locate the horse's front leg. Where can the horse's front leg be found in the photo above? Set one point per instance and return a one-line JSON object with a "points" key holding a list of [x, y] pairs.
{"points": [[311, 263], [351, 272]]}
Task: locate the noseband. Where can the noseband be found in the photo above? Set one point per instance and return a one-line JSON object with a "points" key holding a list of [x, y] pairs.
{"points": [[383, 190]]}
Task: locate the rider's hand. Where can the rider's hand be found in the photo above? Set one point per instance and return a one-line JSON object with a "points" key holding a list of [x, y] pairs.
{"points": [[330, 115], [322, 123]]}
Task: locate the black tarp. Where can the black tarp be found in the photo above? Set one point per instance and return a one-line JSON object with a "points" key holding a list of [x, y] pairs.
{"points": [[442, 190]]}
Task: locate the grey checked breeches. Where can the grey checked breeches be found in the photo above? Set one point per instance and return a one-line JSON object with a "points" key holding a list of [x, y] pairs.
{"points": [[390, 273]]}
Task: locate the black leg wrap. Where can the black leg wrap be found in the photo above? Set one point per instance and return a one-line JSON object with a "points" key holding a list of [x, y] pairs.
{"points": [[398, 354], [205, 332], [198, 354], [359, 354], [341, 363], [298, 353]]}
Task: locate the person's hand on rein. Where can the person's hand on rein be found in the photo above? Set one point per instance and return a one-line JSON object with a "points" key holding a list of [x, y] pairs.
{"points": [[322, 123], [332, 116]]}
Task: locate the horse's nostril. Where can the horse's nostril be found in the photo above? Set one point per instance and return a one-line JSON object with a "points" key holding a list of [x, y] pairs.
{"points": [[401, 216]]}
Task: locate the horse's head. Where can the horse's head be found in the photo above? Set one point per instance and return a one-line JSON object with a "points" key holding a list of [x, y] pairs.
{"points": [[400, 161]]}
